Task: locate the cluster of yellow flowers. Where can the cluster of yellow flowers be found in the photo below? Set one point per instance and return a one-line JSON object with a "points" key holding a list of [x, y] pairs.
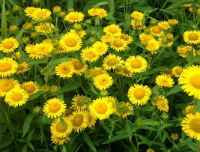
{"points": [[101, 63]]}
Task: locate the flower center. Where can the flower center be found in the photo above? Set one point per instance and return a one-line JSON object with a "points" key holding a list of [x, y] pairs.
{"points": [[78, 120], [156, 30], [4, 67], [8, 44], [29, 88], [16, 97], [54, 107], [103, 81], [136, 64], [139, 93], [60, 128], [70, 42], [101, 108], [41, 14], [80, 104], [195, 125], [195, 81], [73, 17], [90, 54], [118, 43], [113, 30], [66, 69], [192, 36], [112, 61]]}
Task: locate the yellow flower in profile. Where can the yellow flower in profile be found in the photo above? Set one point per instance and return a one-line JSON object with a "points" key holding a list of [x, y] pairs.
{"points": [[54, 108], [101, 108], [111, 61], [71, 42], [162, 103], [189, 109], [139, 94], [123, 70], [7, 85], [99, 12], [65, 69], [57, 9], [113, 30], [100, 47], [192, 37], [177, 70], [44, 27], [16, 97], [23, 67], [172, 22], [79, 120], [182, 50], [8, 67], [9, 45], [91, 119], [156, 31], [145, 38], [191, 125], [89, 54], [127, 38], [136, 64], [164, 25], [137, 15], [103, 81], [41, 14], [164, 81], [79, 102], [29, 11], [190, 80], [74, 17], [79, 68], [93, 11], [152, 46], [59, 141], [118, 44], [30, 87], [60, 131]]}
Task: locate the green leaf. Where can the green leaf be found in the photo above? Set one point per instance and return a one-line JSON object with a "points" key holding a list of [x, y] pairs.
{"points": [[64, 149], [174, 90], [62, 122], [4, 21], [116, 138], [88, 141], [35, 95], [27, 123], [69, 86]]}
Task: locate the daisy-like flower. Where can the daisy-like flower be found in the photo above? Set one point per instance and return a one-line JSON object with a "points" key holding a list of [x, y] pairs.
{"points": [[65, 69], [113, 30], [91, 120], [29, 11], [16, 97], [71, 42], [101, 108], [145, 38], [162, 103], [164, 81], [54, 108], [192, 37], [44, 28], [79, 102], [111, 61], [30, 87], [177, 70], [127, 38], [189, 109], [191, 125], [41, 14], [99, 12], [8, 67], [74, 17], [60, 131], [103, 81], [137, 24], [7, 85], [100, 47], [79, 68], [59, 141], [139, 94], [9, 45], [118, 44], [136, 64], [79, 120], [164, 25], [137, 15], [124, 71], [23, 67], [89, 54], [152, 46], [156, 31], [190, 80]]}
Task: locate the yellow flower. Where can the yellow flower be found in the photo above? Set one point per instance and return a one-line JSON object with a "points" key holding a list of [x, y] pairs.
{"points": [[95, 72], [65, 69], [89, 54], [124, 109], [60, 131], [44, 27], [164, 25], [91, 120], [54, 108], [29, 11], [100, 47], [103, 81], [164, 81], [136, 64], [111, 61], [113, 30], [118, 44], [137, 24], [13, 28], [23, 67], [74, 17], [79, 68], [182, 50], [80, 33], [16, 97], [145, 38], [192, 37], [8, 67], [99, 12], [177, 70], [59, 141], [190, 80], [79, 102], [41, 14], [137, 15], [189, 109], [106, 38], [156, 31], [9, 45], [7, 85], [79, 120], [191, 125], [152, 46], [139, 94], [127, 38], [174, 136], [150, 150], [28, 26], [101, 108], [71, 42], [122, 70], [57, 9], [172, 22], [162, 103], [30, 87]]}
